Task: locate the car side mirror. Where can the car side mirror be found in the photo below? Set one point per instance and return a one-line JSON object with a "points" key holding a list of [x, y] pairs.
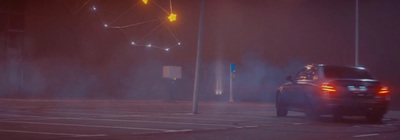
{"points": [[289, 78]]}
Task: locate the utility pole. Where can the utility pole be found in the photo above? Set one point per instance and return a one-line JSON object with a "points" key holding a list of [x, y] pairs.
{"points": [[198, 59], [356, 32]]}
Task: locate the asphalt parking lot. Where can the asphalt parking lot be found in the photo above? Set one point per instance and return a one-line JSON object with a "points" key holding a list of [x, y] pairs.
{"points": [[128, 119]]}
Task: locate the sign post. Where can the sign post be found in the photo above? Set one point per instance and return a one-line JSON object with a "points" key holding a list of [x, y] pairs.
{"points": [[230, 82], [172, 73]]}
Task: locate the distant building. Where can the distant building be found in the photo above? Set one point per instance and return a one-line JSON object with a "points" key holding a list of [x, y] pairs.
{"points": [[12, 23]]}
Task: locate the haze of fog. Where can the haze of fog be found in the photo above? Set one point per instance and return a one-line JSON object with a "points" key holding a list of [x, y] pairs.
{"points": [[70, 54]]}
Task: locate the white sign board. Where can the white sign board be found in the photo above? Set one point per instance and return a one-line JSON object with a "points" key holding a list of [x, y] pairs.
{"points": [[172, 72]]}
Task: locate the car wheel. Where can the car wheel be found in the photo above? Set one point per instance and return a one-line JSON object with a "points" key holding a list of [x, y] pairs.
{"points": [[281, 109], [374, 117]]}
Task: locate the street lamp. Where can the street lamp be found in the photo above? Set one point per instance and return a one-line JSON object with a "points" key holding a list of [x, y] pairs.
{"points": [[172, 17]]}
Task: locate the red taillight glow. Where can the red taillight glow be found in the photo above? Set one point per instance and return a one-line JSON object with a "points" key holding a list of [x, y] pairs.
{"points": [[384, 90], [328, 88]]}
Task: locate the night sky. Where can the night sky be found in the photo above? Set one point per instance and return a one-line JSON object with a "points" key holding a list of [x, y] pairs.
{"points": [[65, 41]]}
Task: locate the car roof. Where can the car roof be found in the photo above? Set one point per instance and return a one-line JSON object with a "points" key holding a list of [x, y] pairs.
{"points": [[328, 65]]}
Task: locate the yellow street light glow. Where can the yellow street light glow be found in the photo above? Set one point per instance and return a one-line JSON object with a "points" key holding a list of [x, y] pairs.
{"points": [[145, 1], [172, 17]]}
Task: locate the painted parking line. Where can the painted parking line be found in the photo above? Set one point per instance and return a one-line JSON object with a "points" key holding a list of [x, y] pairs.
{"points": [[50, 133], [124, 111], [25, 119], [377, 126], [184, 130], [168, 117], [92, 126], [175, 111], [298, 123], [134, 121], [201, 114], [251, 126], [147, 116], [365, 135], [230, 126]]}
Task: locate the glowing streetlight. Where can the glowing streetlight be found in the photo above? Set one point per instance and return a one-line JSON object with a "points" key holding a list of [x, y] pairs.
{"points": [[105, 25], [179, 43], [148, 45], [133, 43], [167, 49], [172, 17], [94, 8], [145, 1]]}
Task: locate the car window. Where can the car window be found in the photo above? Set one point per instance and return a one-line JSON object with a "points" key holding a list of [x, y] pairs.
{"points": [[307, 74], [346, 72]]}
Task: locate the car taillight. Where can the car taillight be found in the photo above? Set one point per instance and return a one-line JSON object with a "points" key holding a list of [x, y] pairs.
{"points": [[328, 88], [384, 90]]}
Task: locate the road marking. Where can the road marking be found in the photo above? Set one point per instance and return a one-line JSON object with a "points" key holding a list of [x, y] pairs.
{"points": [[232, 116], [148, 116], [25, 119], [166, 111], [253, 126], [298, 123], [366, 135], [120, 111], [184, 130], [50, 133], [376, 126], [153, 116], [82, 125], [386, 119], [216, 115], [138, 121]]}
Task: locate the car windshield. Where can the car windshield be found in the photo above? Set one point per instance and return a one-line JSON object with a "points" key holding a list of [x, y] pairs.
{"points": [[346, 72]]}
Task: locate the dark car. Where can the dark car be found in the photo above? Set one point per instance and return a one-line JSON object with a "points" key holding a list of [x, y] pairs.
{"points": [[333, 90]]}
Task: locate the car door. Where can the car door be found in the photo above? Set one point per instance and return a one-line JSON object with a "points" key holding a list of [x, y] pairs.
{"points": [[306, 85], [291, 89], [286, 93]]}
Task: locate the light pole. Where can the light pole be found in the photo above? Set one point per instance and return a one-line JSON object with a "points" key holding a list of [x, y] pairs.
{"points": [[356, 32], [198, 58]]}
